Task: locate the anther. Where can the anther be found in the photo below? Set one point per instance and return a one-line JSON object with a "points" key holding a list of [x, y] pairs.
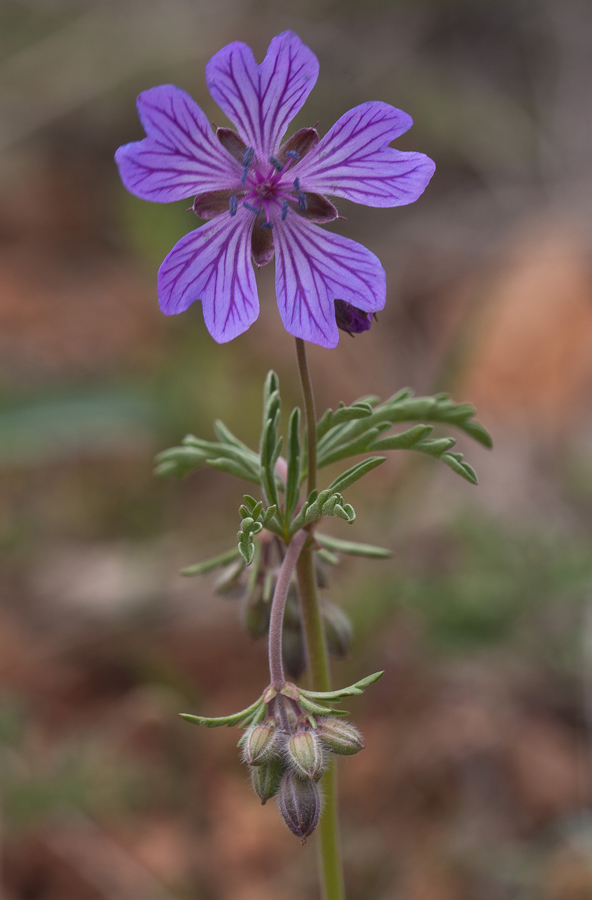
{"points": [[248, 157], [276, 163], [296, 184], [284, 210], [233, 206], [254, 209], [302, 204], [295, 156], [267, 225]]}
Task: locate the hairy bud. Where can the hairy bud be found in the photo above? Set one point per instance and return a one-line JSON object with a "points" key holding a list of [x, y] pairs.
{"points": [[306, 755], [266, 778], [300, 804], [340, 737], [260, 744], [338, 629]]}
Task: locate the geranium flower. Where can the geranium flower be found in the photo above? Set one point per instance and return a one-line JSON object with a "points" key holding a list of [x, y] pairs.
{"points": [[264, 196]]}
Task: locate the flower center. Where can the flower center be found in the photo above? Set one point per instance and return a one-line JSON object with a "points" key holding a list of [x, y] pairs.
{"points": [[268, 188]]}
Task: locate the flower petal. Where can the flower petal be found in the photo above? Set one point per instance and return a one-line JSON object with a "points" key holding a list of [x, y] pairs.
{"points": [[262, 100], [180, 156], [354, 160], [213, 264], [314, 268]]}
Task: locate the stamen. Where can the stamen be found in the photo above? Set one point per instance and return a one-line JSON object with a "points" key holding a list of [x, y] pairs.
{"points": [[233, 206], [295, 156], [266, 224], [302, 204], [296, 184], [276, 163], [284, 210], [254, 209], [247, 160]]}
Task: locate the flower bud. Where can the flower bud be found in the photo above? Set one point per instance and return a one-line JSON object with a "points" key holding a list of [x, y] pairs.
{"points": [[256, 614], [266, 778], [293, 651], [300, 804], [340, 737], [351, 319], [338, 630], [260, 744], [306, 755]]}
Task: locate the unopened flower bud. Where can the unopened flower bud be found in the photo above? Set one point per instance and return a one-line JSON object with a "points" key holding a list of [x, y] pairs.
{"points": [[300, 804], [340, 737], [266, 778], [256, 614], [338, 629], [306, 755], [260, 744]]}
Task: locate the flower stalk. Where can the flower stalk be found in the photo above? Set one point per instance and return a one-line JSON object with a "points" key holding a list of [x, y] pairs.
{"points": [[330, 863]]}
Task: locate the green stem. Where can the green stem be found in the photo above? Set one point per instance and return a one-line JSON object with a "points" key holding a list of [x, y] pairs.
{"points": [[330, 865], [309, 409]]}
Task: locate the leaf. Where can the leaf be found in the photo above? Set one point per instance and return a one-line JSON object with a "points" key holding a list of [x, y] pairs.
{"points": [[231, 467], [208, 565], [356, 472], [218, 722], [405, 440], [360, 445], [293, 476], [351, 547], [353, 689], [177, 462], [359, 410]]}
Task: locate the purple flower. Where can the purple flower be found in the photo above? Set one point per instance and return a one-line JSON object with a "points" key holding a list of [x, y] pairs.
{"points": [[264, 196]]}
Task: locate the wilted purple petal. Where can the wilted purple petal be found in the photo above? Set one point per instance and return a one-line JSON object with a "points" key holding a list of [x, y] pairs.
{"points": [[313, 269], [213, 264], [262, 100], [180, 156], [354, 160]]}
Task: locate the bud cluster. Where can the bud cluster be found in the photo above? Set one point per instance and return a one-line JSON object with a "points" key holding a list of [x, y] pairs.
{"points": [[287, 754]]}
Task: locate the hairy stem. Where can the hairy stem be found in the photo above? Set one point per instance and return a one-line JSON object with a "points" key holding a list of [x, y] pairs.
{"points": [[309, 409], [330, 865], [276, 621]]}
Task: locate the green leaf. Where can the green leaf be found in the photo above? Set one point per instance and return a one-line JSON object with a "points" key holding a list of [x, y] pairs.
{"points": [[351, 547], [328, 696], [208, 565], [352, 448], [231, 467], [327, 557], [455, 462], [224, 720], [405, 440], [436, 447], [356, 472], [293, 476], [177, 462], [225, 436]]}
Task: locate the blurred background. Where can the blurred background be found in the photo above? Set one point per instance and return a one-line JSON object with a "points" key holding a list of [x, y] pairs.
{"points": [[476, 780]]}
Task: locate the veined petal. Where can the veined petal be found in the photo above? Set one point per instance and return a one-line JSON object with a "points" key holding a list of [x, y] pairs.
{"points": [[354, 160], [180, 156], [213, 264], [313, 269], [262, 100]]}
